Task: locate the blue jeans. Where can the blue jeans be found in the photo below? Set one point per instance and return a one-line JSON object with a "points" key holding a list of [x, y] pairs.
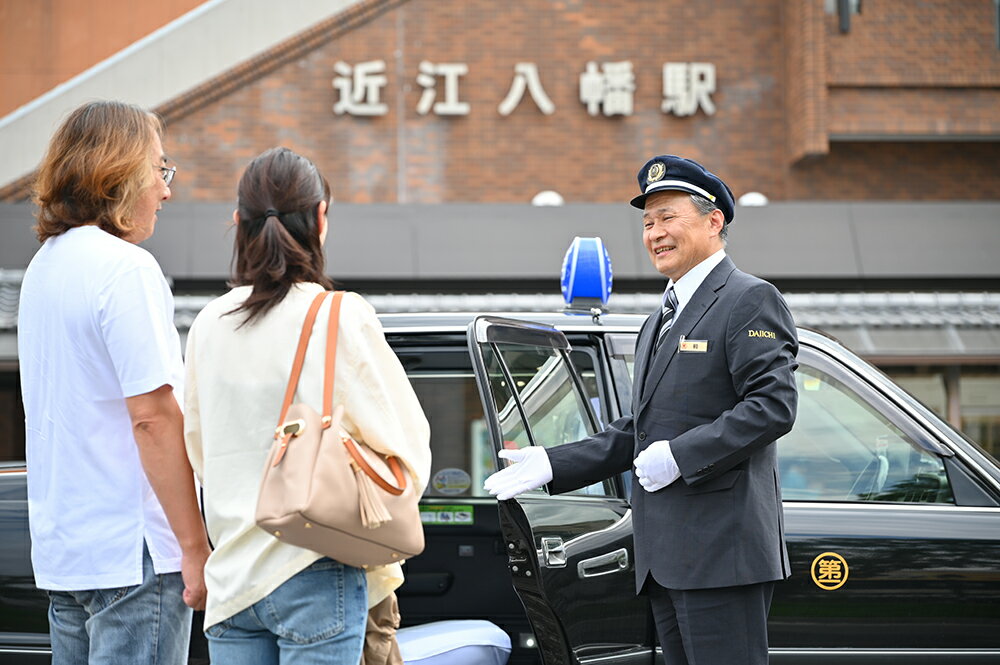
{"points": [[317, 616], [148, 623]]}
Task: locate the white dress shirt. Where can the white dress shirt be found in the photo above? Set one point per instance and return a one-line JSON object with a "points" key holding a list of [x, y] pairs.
{"points": [[685, 287], [655, 466]]}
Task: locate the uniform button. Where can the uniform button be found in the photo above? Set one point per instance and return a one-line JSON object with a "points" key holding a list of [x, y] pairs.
{"points": [[642, 436]]}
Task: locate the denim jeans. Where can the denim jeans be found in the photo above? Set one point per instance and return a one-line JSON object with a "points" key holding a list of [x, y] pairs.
{"points": [[148, 623], [317, 616]]}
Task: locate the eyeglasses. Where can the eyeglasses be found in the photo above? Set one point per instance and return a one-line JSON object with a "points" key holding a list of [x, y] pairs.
{"points": [[167, 173]]}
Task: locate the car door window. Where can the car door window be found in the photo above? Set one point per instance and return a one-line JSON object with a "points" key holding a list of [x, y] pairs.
{"points": [[537, 400], [845, 447], [462, 454]]}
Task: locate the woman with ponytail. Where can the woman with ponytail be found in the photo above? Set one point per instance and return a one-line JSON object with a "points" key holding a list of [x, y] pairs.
{"points": [[269, 602]]}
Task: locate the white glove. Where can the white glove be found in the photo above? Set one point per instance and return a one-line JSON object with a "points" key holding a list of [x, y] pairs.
{"points": [[531, 469], [655, 466]]}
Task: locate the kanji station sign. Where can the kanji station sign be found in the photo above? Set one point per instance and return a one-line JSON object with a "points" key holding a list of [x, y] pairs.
{"points": [[605, 88]]}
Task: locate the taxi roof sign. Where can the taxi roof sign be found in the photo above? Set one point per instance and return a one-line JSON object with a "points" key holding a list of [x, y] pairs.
{"points": [[586, 273]]}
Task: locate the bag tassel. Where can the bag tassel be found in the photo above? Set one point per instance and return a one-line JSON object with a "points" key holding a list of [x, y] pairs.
{"points": [[373, 511]]}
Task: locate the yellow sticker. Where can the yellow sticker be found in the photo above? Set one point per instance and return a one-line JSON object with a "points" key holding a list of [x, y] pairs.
{"points": [[829, 571], [812, 383], [693, 345]]}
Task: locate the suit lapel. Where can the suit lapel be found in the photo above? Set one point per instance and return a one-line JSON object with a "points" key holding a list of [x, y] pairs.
{"points": [[643, 348], [700, 302]]}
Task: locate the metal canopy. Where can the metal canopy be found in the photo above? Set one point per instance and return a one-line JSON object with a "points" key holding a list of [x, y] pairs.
{"points": [[828, 243], [462, 241], [888, 328]]}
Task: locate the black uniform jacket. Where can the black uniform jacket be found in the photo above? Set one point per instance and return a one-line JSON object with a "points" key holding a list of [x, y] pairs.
{"points": [[721, 389]]}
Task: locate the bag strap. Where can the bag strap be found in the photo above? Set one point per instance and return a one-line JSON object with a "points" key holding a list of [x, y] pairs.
{"points": [[300, 357], [331, 357], [285, 431]]}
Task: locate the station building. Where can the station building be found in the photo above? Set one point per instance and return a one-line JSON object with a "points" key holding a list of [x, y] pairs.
{"points": [[468, 142]]}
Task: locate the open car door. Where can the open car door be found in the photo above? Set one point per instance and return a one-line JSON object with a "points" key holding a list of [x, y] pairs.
{"points": [[570, 556]]}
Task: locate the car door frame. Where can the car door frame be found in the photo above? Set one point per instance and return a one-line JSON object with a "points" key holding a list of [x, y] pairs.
{"points": [[541, 564]]}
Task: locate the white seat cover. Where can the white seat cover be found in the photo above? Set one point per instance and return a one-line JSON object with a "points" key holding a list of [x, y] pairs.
{"points": [[458, 642]]}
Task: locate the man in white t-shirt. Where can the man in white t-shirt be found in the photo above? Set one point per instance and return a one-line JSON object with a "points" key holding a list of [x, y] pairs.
{"points": [[116, 532]]}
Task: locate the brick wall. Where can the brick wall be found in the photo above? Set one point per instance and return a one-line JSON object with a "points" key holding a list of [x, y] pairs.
{"points": [[917, 70], [804, 35], [803, 112], [911, 43], [43, 44], [899, 171]]}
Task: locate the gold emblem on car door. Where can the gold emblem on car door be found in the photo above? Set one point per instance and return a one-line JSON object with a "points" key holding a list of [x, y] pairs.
{"points": [[829, 571]]}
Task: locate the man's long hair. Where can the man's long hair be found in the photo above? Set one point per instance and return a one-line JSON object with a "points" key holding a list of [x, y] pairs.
{"points": [[96, 168]]}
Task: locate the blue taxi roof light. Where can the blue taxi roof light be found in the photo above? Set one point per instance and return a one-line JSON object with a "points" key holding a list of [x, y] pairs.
{"points": [[586, 272]]}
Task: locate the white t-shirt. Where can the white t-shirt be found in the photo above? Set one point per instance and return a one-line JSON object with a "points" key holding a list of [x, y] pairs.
{"points": [[95, 326]]}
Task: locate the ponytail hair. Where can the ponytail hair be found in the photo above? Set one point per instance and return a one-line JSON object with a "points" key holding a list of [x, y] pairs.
{"points": [[277, 229]]}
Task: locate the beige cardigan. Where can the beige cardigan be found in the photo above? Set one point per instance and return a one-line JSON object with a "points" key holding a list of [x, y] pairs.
{"points": [[235, 383]]}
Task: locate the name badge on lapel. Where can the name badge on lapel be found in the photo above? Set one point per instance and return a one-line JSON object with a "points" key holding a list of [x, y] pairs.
{"points": [[692, 345]]}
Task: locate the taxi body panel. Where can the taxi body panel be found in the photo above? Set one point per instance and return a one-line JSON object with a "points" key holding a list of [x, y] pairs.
{"points": [[892, 517]]}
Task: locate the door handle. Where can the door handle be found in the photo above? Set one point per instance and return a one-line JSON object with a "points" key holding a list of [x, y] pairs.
{"points": [[553, 552], [605, 564]]}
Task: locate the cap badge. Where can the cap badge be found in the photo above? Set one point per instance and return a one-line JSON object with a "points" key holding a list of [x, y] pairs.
{"points": [[656, 172]]}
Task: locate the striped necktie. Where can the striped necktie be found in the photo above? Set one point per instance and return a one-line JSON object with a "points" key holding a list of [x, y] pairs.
{"points": [[667, 320]]}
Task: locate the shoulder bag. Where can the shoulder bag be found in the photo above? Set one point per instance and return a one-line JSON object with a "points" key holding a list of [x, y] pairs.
{"points": [[326, 492]]}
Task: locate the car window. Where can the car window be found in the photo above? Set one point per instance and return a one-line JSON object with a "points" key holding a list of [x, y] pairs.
{"points": [[843, 448], [555, 410], [621, 360], [461, 453], [583, 361], [11, 418]]}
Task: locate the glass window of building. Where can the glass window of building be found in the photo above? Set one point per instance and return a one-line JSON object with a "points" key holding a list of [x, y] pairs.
{"points": [[979, 396]]}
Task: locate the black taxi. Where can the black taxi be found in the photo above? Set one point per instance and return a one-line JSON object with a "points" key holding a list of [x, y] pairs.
{"points": [[892, 516]]}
